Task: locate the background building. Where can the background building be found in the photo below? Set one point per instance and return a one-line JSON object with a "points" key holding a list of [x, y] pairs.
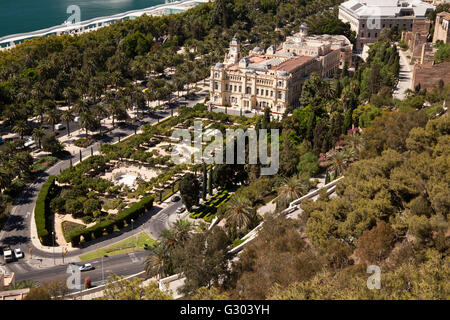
{"points": [[274, 78], [441, 27], [368, 17]]}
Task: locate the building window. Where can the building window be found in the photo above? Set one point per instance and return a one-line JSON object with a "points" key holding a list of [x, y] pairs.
{"points": [[257, 91], [216, 86], [240, 88], [362, 34], [279, 95], [267, 92], [249, 90], [226, 87], [368, 35], [376, 34]]}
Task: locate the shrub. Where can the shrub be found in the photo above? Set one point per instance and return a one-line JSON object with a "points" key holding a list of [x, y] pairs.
{"points": [[136, 210], [41, 211]]}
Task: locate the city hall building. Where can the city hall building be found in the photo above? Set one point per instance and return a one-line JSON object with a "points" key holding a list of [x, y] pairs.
{"points": [[274, 78]]}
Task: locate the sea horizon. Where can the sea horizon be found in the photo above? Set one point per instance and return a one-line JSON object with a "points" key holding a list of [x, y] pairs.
{"points": [[20, 16]]}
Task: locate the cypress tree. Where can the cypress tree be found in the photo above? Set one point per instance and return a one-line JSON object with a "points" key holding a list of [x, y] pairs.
{"points": [[210, 182], [205, 179]]}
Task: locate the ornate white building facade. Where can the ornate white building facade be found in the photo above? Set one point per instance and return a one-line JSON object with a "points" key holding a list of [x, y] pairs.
{"points": [[274, 78]]}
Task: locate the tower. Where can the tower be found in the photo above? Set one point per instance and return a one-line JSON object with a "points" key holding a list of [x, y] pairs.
{"points": [[234, 53], [303, 30]]}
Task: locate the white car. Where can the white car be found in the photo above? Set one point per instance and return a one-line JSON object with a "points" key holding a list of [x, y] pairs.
{"points": [[86, 267], [181, 209], [18, 253]]}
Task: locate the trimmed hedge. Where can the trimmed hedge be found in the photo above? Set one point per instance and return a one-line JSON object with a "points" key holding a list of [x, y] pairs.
{"points": [[41, 211], [133, 212]]}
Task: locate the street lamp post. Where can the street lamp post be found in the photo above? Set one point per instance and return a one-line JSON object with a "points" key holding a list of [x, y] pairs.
{"points": [[132, 225]]}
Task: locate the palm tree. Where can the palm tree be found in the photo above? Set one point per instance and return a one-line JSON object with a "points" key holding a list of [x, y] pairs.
{"points": [[38, 134], [115, 109], [181, 229], [67, 116], [291, 189], [21, 127], [52, 117], [156, 263], [80, 107], [5, 179], [239, 212], [39, 110], [86, 119]]}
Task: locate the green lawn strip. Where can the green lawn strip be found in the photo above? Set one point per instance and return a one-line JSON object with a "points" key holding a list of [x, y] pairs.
{"points": [[124, 246]]}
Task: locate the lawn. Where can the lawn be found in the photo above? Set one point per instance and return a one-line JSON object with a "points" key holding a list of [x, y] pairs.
{"points": [[124, 246]]}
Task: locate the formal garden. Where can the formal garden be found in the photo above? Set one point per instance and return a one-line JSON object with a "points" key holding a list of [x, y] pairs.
{"points": [[102, 193]]}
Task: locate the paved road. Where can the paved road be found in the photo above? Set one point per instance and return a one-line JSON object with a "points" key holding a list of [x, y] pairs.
{"points": [[124, 264], [405, 77]]}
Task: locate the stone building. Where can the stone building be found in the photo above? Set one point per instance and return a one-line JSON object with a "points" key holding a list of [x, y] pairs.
{"points": [[416, 38], [424, 71], [368, 17], [274, 78], [441, 27]]}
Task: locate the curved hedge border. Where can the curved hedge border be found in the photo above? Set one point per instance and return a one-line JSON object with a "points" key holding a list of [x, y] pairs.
{"points": [[133, 212], [41, 211]]}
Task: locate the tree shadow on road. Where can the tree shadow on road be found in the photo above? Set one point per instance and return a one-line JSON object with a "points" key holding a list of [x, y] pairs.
{"points": [[15, 240]]}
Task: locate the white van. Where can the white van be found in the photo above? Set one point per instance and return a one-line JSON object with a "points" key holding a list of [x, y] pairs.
{"points": [[59, 126]]}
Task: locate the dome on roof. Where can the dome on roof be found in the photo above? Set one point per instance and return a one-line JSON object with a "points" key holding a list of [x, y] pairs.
{"points": [[257, 49], [283, 73], [219, 65]]}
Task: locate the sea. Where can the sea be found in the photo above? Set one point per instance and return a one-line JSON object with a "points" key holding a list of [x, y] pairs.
{"points": [[18, 16]]}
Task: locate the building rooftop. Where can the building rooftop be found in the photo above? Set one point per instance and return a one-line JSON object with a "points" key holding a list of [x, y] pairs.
{"points": [[291, 64], [387, 8], [445, 15]]}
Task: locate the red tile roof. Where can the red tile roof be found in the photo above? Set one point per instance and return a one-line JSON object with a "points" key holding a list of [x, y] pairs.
{"points": [[292, 64]]}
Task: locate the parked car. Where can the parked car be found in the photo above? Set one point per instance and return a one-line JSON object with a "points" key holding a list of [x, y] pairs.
{"points": [[86, 267], [181, 209], [59, 126], [76, 119], [18, 253], [7, 254], [175, 198]]}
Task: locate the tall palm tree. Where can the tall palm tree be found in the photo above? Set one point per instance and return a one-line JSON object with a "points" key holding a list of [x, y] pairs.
{"points": [[239, 212], [67, 116], [291, 189], [5, 179], [80, 107], [52, 117], [156, 263], [38, 134], [181, 229], [86, 120], [39, 110], [21, 127]]}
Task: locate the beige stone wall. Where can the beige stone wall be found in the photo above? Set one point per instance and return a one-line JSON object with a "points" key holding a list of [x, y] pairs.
{"points": [[429, 75]]}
